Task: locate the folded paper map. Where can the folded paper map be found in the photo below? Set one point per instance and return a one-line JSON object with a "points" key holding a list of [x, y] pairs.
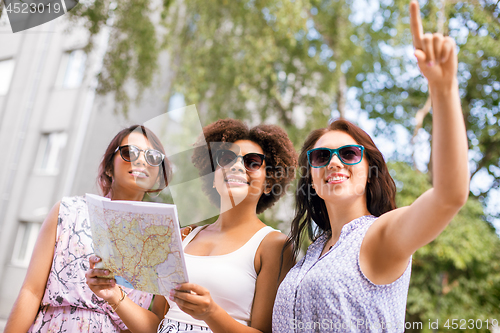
{"points": [[139, 242]]}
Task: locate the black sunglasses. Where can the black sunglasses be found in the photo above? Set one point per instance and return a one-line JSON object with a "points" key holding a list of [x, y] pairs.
{"points": [[130, 153], [349, 155], [251, 161]]}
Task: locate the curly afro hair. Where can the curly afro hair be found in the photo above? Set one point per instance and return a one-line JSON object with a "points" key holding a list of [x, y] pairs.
{"points": [[281, 157]]}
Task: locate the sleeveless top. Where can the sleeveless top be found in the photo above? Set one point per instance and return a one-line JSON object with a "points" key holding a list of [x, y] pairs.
{"points": [[230, 278], [331, 293], [68, 304]]}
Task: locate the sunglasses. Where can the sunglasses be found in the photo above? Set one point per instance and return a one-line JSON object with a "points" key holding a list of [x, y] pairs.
{"points": [[130, 153], [349, 155], [252, 161]]}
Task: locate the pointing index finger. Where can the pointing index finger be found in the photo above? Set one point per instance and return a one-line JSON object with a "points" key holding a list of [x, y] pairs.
{"points": [[417, 30]]}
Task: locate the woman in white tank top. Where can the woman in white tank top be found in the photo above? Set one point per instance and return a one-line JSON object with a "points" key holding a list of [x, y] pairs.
{"points": [[234, 264]]}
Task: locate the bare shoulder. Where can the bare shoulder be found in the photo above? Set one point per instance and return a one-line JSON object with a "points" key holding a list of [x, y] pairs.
{"points": [[273, 241], [273, 257], [56, 206], [271, 247], [53, 214], [49, 225]]}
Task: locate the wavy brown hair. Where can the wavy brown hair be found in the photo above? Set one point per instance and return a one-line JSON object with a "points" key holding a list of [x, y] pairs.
{"points": [[105, 181], [281, 157], [309, 207]]}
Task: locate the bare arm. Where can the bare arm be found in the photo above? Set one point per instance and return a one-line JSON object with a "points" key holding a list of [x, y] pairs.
{"points": [[137, 319], [28, 302], [399, 233], [200, 305], [269, 278]]}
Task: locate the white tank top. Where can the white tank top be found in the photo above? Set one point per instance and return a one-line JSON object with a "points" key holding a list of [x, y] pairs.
{"points": [[230, 278]]}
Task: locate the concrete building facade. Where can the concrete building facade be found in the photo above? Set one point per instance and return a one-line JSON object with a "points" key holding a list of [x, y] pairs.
{"points": [[54, 130]]}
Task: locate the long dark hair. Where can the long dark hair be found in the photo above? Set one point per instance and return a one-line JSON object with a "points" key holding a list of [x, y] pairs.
{"points": [[104, 180], [309, 207]]}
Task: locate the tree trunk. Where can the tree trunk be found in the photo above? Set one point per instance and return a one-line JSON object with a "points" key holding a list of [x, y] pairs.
{"points": [[175, 55], [341, 95], [419, 117]]}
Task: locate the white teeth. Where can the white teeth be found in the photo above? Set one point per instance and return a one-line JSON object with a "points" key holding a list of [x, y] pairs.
{"points": [[232, 180], [337, 178], [138, 173]]}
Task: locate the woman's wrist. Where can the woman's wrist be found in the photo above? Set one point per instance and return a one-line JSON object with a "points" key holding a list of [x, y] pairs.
{"points": [[212, 312], [118, 297], [444, 88], [116, 303]]}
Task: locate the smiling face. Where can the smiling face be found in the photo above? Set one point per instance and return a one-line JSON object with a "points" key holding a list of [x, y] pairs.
{"points": [[338, 182], [234, 183], [135, 176]]}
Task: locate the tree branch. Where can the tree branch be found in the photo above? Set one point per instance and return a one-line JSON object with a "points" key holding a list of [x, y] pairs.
{"points": [[286, 120], [341, 95], [332, 44], [419, 117]]}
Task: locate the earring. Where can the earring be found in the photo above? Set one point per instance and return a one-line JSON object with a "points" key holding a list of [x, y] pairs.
{"points": [[267, 191]]}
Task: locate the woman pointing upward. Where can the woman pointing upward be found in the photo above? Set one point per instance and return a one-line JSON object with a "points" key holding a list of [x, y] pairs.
{"points": [[356, 273]]}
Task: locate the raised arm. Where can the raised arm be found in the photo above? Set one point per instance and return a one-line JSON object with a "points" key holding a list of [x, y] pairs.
{"points": [[399, 233], [25, 308]]}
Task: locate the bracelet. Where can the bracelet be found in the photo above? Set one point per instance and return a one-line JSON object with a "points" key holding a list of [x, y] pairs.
{"points": [[188, 231], [115, 306]]}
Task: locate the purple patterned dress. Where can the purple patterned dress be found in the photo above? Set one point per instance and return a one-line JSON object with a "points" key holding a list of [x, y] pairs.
{"points": [[331, 293], [68, 304]]}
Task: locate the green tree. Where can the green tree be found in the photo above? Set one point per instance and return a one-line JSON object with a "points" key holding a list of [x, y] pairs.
{"points": [[288, 62]]}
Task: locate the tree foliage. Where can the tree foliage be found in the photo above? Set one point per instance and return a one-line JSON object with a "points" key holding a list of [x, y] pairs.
{"points": [[458, 274], [292, 62]]}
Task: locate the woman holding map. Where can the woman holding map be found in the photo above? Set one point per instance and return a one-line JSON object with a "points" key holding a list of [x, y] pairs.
{"points": [[234, 264], [54, 296]]}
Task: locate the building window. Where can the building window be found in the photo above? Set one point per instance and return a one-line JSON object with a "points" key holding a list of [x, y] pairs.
{"points": [[50, 151], [6, 71], [72, 69], [4, 22], [25, 242]]}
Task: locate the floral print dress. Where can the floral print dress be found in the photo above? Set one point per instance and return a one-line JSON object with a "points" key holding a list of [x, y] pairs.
{"points": [[68, 304]]}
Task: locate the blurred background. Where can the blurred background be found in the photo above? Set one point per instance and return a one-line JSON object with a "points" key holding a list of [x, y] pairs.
{"points": [[68, 86]]}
